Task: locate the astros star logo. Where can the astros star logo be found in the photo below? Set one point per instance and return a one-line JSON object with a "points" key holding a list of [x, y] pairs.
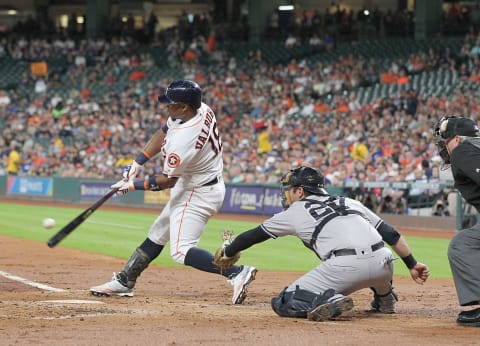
{"points": [[173, 160]]}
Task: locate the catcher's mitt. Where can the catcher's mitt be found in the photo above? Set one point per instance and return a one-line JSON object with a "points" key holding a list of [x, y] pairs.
{"points": [[220, 260]]}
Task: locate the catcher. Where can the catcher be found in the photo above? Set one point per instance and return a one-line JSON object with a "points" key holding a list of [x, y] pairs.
{"points": [[348, 238]]}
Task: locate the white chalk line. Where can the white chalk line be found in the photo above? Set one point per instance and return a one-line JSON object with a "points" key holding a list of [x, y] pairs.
{"points": [[30, 282], [67, 317], [69, 301]]}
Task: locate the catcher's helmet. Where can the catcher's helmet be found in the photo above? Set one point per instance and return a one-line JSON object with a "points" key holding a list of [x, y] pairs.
{"points": [[183, 91], [308, 178]]}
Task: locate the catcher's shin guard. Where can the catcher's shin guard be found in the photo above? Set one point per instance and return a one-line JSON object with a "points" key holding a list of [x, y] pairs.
{"points": [[384, 303], [299, 302], [137, 263]]}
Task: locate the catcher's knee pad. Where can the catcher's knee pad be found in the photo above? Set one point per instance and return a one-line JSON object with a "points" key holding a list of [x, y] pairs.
{"points": [[299, 302]]}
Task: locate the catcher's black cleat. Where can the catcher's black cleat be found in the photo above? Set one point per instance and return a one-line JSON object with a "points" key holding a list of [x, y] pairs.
{"points": [[332, 309]]}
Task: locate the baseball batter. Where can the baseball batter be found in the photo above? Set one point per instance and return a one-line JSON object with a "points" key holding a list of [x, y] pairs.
{"points": [[192, 149], [346, 236]]}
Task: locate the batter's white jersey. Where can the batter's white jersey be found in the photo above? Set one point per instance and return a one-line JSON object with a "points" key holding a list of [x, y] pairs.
{"points": [[193, 149], [193, 154]]}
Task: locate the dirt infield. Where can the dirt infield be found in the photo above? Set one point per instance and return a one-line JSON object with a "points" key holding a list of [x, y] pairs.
{"points": [[187, 307]]}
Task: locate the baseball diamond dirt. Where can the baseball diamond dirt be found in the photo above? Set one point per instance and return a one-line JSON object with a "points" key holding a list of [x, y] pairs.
{"points": [[183, 306]]}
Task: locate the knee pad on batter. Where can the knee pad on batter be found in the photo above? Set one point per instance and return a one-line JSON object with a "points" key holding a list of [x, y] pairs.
{"points": [[299, 302]]}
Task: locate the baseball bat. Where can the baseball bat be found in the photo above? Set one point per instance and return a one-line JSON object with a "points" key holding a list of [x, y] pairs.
{"points": [[70, 227]]}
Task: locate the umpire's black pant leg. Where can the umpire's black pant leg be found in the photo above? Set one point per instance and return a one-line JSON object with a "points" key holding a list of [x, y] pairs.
{"points": [[464, 259]]}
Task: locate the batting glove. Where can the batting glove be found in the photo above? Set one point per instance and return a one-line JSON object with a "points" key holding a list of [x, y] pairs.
{"points": [[130, 172], [123, 186]]}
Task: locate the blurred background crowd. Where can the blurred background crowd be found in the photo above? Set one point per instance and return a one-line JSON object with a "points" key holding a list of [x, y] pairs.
{"points": [[349, 93]]}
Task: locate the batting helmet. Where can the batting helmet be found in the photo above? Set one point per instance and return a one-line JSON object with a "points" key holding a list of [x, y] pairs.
{"points": [[308, 178], [183, 91]]}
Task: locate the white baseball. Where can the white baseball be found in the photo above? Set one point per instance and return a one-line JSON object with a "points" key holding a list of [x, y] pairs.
{"points": [[48, 223]]}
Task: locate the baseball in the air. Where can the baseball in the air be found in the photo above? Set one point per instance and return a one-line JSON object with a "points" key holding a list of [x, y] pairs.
{"points": [[48, 223]]}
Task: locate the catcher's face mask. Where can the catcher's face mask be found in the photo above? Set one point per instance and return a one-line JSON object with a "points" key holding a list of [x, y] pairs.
{"points": [[285, 185]]}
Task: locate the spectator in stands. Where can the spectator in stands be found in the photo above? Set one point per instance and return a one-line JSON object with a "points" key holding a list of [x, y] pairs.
{"points": [[4, 99], [393, 199], [360, 150], [14, 159], [291, 41], [441, 206], [152, 23]]}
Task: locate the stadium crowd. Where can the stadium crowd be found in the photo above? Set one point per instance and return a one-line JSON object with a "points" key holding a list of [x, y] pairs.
{"points": [[273, 117]]}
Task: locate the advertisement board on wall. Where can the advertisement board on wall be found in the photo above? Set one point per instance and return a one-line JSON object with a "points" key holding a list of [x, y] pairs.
{"points": [[29, 186], [252, 200], [93, 190]]}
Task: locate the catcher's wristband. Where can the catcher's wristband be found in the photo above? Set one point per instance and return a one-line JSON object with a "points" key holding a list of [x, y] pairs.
{"points": [[225, 250], [142, 157], [409, 261]]}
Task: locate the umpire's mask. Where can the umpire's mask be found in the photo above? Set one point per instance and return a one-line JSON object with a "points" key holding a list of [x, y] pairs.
{"points": [[447, 128]]}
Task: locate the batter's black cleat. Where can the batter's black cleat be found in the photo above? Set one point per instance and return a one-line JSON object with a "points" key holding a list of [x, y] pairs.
{"points": [[469, 318], [334, 308]]}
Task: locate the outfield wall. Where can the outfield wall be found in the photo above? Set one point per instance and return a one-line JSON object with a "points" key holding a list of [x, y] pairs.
{"points": [[253, 199]]}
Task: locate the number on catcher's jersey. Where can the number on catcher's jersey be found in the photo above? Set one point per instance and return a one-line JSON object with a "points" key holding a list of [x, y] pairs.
{"points": [[320, 210]]}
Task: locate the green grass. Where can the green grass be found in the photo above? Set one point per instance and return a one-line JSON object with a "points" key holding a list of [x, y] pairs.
{"points": [[117, 234]]}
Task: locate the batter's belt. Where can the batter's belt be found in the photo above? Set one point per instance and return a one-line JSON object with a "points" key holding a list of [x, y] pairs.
{"points": [[211, 182], [350, 252]]}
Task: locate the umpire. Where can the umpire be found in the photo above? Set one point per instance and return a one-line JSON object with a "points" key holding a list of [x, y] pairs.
{"points": [[458, 143]]}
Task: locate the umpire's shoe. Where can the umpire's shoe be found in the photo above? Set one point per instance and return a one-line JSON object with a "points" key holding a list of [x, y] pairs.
{"points": [[335, 306], [469, 318], [240, 283], [112, 288]]}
